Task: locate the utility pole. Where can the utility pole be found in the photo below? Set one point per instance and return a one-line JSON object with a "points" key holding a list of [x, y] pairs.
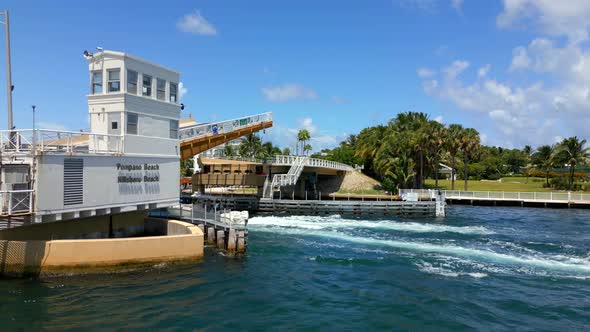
{"points": [[8, 69], [34, 131]]}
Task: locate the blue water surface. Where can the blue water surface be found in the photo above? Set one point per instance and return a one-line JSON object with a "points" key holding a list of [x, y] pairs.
{"points": [[480, 268]]}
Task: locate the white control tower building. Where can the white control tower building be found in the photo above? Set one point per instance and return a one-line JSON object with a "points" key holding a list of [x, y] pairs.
{"points": [[128, 161]]}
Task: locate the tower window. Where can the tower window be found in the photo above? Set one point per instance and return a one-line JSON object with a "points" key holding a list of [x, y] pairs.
{"points": [[132, 82], [114, 80], [147, 86], [96, 82], [161, 92], [131, 124], [174, 129], [173, 92]]}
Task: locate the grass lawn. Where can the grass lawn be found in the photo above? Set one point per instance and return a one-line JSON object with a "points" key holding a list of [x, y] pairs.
{"points": [[507, 184]]}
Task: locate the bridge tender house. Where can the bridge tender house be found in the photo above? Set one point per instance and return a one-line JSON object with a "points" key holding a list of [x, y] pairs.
{"points": [[132, 173]]}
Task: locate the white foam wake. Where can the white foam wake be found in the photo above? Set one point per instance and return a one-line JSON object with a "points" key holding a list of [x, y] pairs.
{"points": [[335, 222], [571, 264]]}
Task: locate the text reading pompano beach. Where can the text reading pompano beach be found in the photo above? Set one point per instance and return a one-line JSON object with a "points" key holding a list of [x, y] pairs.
{"points": [[137, 177]]}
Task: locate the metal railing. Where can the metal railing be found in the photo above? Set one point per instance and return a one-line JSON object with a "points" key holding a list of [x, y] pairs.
{"points": [[47, 140], [222, 127], [16, 202], [210, 214], [281, 160], [501, 195]]}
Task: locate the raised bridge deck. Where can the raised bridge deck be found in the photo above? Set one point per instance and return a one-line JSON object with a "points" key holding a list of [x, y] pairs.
{"points": [[202, 137]]}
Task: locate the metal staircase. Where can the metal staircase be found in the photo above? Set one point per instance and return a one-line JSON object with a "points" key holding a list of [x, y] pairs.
{"points": [[283, 180]]}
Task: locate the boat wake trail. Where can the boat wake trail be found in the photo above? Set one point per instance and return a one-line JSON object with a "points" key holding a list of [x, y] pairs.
{"points": [[336, 222], [443, 256]]}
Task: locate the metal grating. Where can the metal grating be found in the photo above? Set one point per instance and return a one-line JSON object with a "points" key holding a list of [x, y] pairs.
{"points": [[73, 181]]}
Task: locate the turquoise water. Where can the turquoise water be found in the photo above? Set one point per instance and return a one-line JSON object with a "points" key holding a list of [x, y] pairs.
{"points": [[481, 268]]}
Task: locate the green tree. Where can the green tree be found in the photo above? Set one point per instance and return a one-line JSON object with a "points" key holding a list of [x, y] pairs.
{"points": [[436, 146], [286, 152], [544, 158], [469, 143], [229, 150], [187, 167], [453, 145], [302, 137], [307, 148], [573, 151], [250, 145], [528, 152]]}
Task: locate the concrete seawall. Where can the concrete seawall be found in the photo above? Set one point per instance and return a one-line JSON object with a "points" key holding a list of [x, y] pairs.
{"points": [[78, 246]]}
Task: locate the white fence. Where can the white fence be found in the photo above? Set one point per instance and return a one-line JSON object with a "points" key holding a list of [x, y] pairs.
{"points": [[47, 140], [223, 127], [501, 195]]}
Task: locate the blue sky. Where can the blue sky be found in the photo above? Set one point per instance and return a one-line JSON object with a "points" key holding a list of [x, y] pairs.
{"points": [[513, 69]]}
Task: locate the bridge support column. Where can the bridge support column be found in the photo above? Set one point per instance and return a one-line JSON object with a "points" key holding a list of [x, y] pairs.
{"points": [[210, 235], [231, 241], [221, 239]]}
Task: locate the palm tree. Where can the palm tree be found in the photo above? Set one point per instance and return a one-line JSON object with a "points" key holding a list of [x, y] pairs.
{"points": [[250, 145], [453, 144], [528, 151], [286, 151], [438, 137], [544, 158], [307, 148], [302, 137], [469, 143], [573, 151], [229, 150]]}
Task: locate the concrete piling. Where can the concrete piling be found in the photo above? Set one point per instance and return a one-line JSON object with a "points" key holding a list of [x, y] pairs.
{"points": [[210, 235], [220, 239], [231, 241], [241, 242]]}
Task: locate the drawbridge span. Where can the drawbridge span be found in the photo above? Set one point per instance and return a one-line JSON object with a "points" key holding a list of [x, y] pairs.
{"points": [[202, 137]]}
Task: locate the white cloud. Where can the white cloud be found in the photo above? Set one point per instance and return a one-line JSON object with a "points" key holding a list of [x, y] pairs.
{"points": [[457, 4], [339, 100], [439, 119], [425, 72], [288, 92], [520, 59], [181, 90], [50, 125], [287, 137], [196, 24], [483, 71], [456, 68], [554, 17]]}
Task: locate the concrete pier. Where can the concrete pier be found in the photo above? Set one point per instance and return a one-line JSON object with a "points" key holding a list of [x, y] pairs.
{"points": [[210, 235], [220, 239]]}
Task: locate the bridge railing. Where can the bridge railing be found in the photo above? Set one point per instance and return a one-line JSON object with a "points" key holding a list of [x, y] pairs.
{"points": [[500, 195], [48, 140], [310, 162], [222, 127], [16, 202], [282, 160]]}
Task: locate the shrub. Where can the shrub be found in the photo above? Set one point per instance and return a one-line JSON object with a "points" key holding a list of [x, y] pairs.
{"points": [[495, 176]]}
